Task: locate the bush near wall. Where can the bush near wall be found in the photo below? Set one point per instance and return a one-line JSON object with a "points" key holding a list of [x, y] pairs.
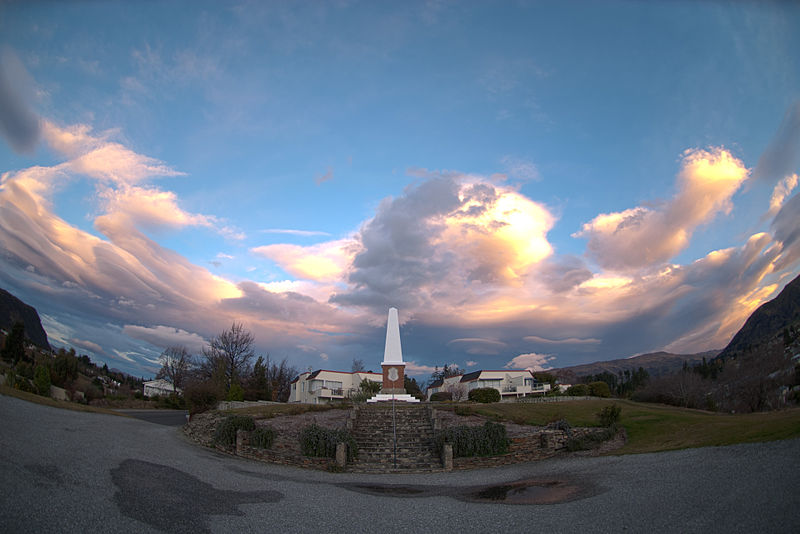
{"points": [[262, 437], [440, 396], [226, 430], [321, 442], [487, 440], [485, 395]]}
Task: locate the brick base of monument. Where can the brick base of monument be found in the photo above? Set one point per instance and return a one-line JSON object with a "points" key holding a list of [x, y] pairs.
{"points": [[393, 379]]}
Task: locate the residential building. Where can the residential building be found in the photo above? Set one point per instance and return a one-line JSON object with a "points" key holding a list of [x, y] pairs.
{"points": [[324, 386], [159, 387], [511, 383]]}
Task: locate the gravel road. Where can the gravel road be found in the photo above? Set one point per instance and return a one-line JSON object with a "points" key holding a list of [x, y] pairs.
{"points": [[66, 471]]}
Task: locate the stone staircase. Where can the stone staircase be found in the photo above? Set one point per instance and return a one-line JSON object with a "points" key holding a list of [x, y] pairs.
{"points": [[371, 426]]}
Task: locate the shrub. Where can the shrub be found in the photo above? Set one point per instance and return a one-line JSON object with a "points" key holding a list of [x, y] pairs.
{"points": [[609, 415], [236, 393], [262, 437], [464, 410], [484, 395], [599, 389], [590, 441], [201, 396], [321, 442], [226, 430], [578, 390], [441, 396], [41, 380], [487, 440]]}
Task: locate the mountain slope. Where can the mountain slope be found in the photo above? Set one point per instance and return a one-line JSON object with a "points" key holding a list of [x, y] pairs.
{"points": [[655, 363], [12, 309], [767, 322]]}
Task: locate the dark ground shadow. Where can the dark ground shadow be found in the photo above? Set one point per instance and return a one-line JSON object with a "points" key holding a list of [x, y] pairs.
{"points": [[171, 500]]}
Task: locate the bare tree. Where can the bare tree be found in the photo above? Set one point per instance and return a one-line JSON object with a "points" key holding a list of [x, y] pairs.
{"points": [[176, 364], [230, 353], [358, 366], [457, 390]]}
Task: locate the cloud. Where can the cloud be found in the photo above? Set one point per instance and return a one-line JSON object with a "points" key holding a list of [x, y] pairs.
{"points": [[322, 262], [779, 194], [151, 208], [531, 361], [472, 345], [319, 179], [520, 169], [471, 363], [303, 233], [443, 237], [786, 230], [413, 369], [782, 155], [19, 124], [166, 336], [323, 357], [566, 341], [87, 345], [641, 236]]}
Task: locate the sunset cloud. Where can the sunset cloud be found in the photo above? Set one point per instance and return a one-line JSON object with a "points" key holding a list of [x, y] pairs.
{"points": [[323, 262], [643, 236]]}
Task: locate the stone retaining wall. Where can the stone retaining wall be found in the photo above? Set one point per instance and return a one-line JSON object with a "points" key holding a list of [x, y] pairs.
{"points": [[529, 448], [281, 452]]}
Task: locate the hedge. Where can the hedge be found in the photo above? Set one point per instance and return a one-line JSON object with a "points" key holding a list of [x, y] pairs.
{"points": [[321, 442], [487, 440], [484, 395]]}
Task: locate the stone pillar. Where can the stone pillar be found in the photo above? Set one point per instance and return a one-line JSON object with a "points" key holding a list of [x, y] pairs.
{"points": [[447, 456], [341, 454]]}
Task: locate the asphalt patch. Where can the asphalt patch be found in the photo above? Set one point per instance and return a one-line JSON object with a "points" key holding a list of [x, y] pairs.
{"points": [[171, 500]]}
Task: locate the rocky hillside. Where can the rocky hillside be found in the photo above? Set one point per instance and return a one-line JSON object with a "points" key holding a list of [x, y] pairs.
{"points": [[655, 363], [767, 322], [12, 309]]}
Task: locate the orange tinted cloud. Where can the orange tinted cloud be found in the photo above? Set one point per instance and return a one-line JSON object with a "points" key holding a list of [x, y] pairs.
{"points": [[642, 236]]}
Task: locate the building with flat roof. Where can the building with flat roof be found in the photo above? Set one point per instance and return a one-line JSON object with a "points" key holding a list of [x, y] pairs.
{"points": [[315, 387], [511, 383]]}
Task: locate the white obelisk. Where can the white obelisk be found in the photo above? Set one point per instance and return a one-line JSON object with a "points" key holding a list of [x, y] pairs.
{"points": [[393, 365]]}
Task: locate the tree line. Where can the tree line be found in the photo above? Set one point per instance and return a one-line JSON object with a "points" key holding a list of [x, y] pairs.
{"points": [[227, 369]]}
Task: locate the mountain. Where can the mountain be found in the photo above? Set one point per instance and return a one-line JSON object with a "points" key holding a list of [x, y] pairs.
{"points": [[655, 363], [767, 322], [12, 310]]}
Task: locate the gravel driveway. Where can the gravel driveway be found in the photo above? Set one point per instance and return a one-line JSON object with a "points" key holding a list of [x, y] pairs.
{"points": [[66, 471]]}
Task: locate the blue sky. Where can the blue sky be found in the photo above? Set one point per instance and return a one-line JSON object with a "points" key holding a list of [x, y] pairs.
{"points": [[532, 184]]}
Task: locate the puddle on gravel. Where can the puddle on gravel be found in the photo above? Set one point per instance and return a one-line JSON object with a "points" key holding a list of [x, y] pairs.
{"points": [[531, 492], [528, 491]]}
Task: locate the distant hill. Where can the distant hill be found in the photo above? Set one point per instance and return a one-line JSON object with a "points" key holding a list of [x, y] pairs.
{"points": [[655, 363], [767, 322], [12, 309]]}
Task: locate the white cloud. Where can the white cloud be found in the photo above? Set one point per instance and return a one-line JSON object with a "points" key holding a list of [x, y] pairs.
{"points": [[531, 361]]}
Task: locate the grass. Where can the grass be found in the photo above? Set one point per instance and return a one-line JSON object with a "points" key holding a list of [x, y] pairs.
{"points": [[654, 427], [47, 401]]}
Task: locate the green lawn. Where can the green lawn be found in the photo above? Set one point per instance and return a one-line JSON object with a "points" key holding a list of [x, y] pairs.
{"points": [[271, 410], [655, 427]]}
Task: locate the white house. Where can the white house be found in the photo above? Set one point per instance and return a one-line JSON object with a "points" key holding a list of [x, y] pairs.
{"points": [[159, 387], [511, 383], [323, 386]]}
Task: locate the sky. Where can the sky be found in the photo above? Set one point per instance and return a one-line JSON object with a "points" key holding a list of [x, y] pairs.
{"points": [[532, 184]]}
